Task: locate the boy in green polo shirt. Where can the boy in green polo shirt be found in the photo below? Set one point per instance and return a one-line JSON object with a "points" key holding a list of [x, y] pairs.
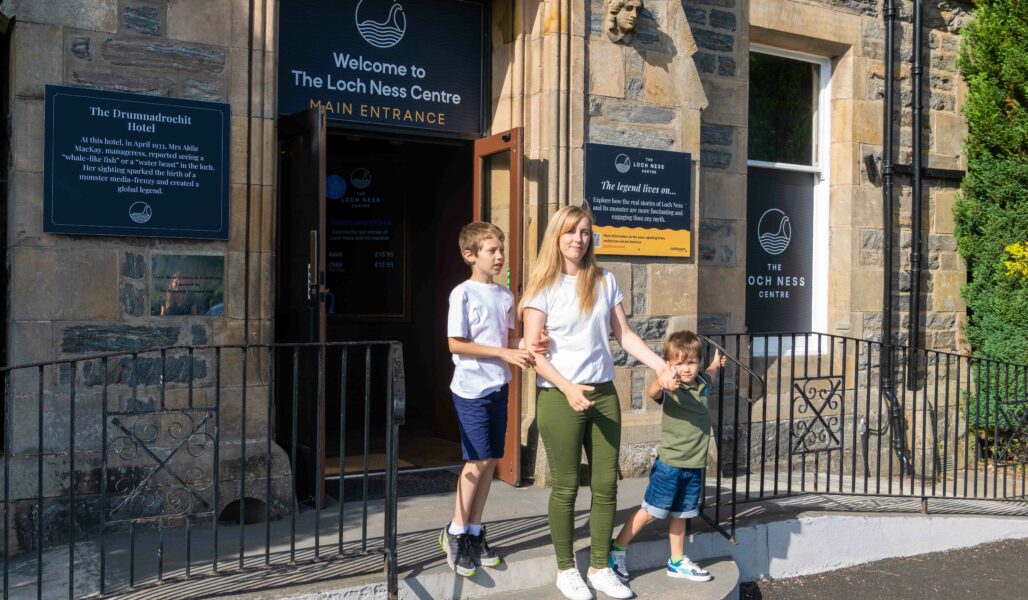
{"points": [[676, 480]]}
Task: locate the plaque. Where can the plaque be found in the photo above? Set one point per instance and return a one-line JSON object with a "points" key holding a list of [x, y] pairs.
{"points": [[187, 285], [129, 164]]}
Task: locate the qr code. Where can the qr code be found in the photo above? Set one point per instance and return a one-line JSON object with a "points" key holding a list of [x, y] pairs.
{"points": [[596, 240]]}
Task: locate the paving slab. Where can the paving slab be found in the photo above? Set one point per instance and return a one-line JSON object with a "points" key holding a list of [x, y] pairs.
{"points": [[654, 583]]}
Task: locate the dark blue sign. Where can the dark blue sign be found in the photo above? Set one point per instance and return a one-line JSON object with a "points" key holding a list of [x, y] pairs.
{"points": [[415, 64], [641, 200], [779, 250], [127, 164]]}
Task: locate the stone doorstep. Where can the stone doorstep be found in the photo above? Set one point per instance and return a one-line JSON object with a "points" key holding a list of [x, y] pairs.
{"points": [[653, 583], [521, 573]]}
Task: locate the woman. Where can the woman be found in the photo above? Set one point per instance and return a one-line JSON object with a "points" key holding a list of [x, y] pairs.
{"points": [[579, 305]]}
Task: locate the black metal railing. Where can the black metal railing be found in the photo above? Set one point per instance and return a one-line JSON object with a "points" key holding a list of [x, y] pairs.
{"points": [[802, 413], [126, 471]]}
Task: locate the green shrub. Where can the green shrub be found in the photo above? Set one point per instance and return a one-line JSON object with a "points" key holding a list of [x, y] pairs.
{"points": [[992, 212]]}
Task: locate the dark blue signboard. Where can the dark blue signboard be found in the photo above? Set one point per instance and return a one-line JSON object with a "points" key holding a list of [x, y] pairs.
{"points": [[414, 64], [127, 164], [641, 200], [779, 250]]}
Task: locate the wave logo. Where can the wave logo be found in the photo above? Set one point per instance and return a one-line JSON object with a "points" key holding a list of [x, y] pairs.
{"points": [[381, 23], [360, 178], [622, 163], [774, 231], [140, 212]]}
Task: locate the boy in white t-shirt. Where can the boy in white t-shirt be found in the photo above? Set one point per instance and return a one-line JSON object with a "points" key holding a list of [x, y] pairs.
{"points": [[480, 328]]}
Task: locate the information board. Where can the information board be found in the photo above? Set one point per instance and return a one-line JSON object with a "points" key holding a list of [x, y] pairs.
{"points": [[128, 164], [414, 64], [779, 250], [366, 272], [641, 200]]}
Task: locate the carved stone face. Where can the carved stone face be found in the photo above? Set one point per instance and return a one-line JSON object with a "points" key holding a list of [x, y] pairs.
{"points": [[628, 15], [622, 18]]}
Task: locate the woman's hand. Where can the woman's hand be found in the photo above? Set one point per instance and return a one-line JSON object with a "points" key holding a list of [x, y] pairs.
{"points": [[575, 393]]}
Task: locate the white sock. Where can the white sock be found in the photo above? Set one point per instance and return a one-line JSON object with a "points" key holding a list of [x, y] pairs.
{"points": [[454, 530], [475, 529]]}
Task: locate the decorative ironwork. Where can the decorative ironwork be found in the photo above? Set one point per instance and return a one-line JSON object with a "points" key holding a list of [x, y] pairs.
{"points": [[1011, 452], [167, 488], [818, 432]]}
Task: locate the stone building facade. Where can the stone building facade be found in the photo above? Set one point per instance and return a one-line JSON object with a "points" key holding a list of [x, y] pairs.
{"points": [[683, 84]]}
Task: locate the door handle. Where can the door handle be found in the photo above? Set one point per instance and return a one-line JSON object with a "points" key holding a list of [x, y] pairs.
{"points": [[312, 263]]}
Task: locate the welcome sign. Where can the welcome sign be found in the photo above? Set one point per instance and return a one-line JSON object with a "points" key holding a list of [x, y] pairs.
{"points": [[414, 64]]}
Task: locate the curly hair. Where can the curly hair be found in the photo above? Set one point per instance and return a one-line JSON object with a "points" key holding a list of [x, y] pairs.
{"points": [[613, 8]]}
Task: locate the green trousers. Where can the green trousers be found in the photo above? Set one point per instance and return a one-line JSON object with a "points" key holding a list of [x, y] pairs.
{"points": [[565, 432]]}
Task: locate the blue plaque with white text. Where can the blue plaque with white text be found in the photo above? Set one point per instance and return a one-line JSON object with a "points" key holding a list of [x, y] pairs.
{"points": [[135, 165]]}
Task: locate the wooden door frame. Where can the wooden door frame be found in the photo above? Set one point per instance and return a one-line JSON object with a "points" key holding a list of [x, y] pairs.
{"points": [[313, 122], [508, 468]]}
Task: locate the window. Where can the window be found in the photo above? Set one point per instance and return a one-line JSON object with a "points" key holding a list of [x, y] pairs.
{"points": [[787, 197]]}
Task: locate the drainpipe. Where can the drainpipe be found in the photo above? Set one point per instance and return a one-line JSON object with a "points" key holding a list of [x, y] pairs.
{"points": [[915, 217], [886, 352]]}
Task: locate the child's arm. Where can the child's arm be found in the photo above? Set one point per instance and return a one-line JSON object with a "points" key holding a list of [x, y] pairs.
{"points": [[521, 358], [655, 392], [718, 362]]}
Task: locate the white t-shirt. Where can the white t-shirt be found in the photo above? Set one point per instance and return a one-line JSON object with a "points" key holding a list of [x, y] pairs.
{"points": [[482, 313], [579, 344]]}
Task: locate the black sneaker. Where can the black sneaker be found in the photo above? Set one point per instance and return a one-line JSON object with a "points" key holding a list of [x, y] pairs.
{"points": [[458, 552], [481, 553]]}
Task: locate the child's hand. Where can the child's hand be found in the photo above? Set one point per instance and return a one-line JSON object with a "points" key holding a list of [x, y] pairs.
{"points": [[668, 379], [576, 397], [542, 345], [720, 360], [520, 358]]}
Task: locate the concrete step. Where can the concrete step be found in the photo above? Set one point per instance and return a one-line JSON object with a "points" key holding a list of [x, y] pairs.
{"points": [[654, 583]]}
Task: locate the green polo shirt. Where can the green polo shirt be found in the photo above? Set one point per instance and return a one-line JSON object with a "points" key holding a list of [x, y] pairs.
{"points": [[685, 425]]}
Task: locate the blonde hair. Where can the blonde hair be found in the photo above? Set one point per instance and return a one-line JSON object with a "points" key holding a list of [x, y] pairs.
{"points": [[682, 344], [473, 234], [547, 268]]}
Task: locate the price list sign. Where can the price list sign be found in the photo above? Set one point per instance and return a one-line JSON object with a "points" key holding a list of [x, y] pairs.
{"points": [[129, 164], [366, 226]]}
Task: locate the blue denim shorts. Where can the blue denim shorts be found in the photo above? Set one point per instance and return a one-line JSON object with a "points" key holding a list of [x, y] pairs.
{"points": [[673, 491], [483, 424]]}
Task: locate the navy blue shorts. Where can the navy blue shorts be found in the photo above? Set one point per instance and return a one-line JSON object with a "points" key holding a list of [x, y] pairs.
{"points": [[673, 491], [483, 424]]}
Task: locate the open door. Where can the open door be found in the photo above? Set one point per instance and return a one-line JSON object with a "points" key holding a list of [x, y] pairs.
{"points": [[498, 199], [301, 294]]}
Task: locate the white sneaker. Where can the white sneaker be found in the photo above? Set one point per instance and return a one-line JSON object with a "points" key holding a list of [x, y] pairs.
{"points": [[570, 584], [607, 582]]}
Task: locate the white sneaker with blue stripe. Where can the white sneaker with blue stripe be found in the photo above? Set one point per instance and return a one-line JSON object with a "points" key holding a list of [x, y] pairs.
{"points": [[687, 569]]}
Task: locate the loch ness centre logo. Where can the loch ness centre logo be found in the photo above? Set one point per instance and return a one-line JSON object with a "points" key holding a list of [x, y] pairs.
{"points": [[774, 231], [140, 212], [380, 22]]}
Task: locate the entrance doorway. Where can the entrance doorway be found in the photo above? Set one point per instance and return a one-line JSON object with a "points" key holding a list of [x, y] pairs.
{"points": [[367, 250], [394, 282]]}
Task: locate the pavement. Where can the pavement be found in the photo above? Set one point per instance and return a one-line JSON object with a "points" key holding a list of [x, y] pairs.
{"points": [[994, 571]]}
